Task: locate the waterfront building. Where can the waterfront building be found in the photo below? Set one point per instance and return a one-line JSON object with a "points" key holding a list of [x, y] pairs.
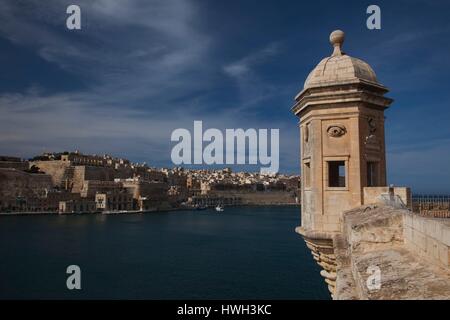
{"points": [[22, 191], [114, 200], [152, 174], [69, 170], [77, 206], [91, 187], [138, 187]]}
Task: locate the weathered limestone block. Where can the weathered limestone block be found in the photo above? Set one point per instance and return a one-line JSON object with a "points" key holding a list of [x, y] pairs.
{"points": [[328, 275], [328, 258], [403, 276], [376, 227]]}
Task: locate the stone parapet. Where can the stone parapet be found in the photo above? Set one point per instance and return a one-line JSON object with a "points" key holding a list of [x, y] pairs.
{"points": [[410, 253], [374, 238], [393, 196], [428, 237]]}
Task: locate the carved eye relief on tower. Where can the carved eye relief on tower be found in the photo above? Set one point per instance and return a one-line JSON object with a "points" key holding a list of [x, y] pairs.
{"points": [[336, 130]]}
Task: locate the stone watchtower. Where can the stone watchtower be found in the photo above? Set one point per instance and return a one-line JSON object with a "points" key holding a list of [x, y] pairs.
{"points": [[341, 111]]}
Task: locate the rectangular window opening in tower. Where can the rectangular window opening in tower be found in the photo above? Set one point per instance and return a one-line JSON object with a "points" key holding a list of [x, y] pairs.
{"points": [[336, 174], [372, 174], [307, 174]]}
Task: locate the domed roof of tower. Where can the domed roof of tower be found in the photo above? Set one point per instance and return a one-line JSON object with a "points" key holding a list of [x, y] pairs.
{"points": [[339, 67]]}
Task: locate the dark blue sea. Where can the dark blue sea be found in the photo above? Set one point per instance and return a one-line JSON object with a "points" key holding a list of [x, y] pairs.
{"points": [[241, 253]]}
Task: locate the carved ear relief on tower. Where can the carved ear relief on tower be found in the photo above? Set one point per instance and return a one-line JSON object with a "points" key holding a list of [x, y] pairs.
{"points": [[371, 142]]}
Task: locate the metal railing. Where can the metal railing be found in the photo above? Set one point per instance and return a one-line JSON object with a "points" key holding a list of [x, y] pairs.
{"points": [[437, 206]]}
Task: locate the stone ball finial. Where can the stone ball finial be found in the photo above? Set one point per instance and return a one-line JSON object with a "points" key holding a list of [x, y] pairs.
{"points": [[337, 39]]}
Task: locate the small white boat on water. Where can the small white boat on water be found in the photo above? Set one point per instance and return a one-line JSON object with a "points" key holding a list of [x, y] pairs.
{"points": [[219, 208]]}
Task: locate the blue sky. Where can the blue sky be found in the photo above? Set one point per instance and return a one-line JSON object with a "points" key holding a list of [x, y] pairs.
{"points": [[140, 69]]}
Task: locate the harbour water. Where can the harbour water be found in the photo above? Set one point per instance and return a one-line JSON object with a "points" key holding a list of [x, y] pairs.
{"points": [[241, 253]]}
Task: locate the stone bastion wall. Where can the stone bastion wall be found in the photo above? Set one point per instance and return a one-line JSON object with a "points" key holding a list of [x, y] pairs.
{"points": [[407, 255]]}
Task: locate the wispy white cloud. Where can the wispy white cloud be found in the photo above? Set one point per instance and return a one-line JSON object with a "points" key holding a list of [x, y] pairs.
{"points": [[243, 66], [37, 123], [252, 88], [136, 45], [137, 55], [142, 58]]}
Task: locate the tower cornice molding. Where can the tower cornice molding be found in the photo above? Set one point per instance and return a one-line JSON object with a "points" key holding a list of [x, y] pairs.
{"points": [[339, 98]]}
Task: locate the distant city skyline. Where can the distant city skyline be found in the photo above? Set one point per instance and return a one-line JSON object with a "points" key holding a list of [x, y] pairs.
{"points": [[137, 70]]}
